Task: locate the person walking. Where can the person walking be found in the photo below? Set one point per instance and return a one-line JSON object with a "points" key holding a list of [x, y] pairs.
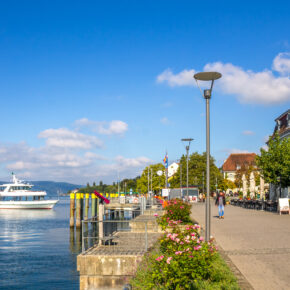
{"points": [[221, 202]]}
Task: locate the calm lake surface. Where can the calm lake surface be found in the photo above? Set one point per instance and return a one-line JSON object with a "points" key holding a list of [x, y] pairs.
{"points": [[37, 249]]}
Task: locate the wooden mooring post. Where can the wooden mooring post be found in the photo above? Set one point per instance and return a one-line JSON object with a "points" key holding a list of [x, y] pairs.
{"points": [[87, 205], [101, 209], [78, 210], [82, 206], [93, 205], [72, 210]]}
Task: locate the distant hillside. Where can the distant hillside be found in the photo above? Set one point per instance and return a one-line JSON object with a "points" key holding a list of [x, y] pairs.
{"points": [[51, 187]]}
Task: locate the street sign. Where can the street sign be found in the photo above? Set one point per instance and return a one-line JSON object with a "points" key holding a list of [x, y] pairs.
{"points": [[165, 192]]}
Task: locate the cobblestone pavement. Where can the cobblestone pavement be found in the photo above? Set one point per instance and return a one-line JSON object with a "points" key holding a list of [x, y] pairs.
{"points": [[256, 242]]}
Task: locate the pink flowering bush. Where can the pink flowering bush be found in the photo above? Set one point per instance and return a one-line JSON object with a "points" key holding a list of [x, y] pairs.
{"points": [[176, 211], [185, 257], [183, 260]]}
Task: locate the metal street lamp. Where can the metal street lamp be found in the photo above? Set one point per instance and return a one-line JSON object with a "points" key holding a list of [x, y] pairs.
{"points": [[207, 76], [185, 140]]}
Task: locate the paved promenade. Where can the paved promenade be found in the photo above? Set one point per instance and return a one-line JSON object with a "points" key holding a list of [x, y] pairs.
{"points": [[257, 242]]}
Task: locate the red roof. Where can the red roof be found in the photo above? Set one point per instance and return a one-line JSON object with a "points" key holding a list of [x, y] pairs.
{"points": [[234, 161]]}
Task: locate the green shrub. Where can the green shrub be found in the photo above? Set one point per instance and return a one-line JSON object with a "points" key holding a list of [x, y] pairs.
{"points": [[177, 211], [184, 257]]}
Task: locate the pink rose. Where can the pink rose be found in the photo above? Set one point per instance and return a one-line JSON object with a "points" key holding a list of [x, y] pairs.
{"points": [[159, 258], [168, 260]]}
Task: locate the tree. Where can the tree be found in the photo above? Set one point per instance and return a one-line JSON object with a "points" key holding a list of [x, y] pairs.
{"points": [[196, 172], [158, 182], [247, 172], [274, 163], [226, 184]]}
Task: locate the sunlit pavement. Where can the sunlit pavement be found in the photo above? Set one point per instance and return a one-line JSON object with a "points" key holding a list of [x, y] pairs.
{"points": [[257, 242]]}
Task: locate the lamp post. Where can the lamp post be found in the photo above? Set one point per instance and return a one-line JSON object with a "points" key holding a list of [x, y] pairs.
{"points": [[151, 183], [180, 168], [207, 76], [185, 140], [148, 180]]}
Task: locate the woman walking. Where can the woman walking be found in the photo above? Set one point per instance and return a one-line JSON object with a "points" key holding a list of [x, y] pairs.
{"points": [[221, 202]]}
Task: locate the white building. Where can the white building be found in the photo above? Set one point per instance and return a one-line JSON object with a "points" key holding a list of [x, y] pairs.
{"points": [[172, 169]]}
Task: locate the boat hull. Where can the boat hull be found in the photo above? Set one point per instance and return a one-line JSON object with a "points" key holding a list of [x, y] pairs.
{"points": [[35, 204]]}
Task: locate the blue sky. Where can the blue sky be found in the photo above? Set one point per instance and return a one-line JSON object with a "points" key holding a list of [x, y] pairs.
{"points": [[91, 88]]}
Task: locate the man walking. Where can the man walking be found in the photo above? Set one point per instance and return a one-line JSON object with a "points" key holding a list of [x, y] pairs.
{"points": [[221, 202]]}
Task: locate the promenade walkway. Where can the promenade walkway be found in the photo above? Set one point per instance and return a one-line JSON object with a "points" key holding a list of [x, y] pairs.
{"points": [[257, 242]]}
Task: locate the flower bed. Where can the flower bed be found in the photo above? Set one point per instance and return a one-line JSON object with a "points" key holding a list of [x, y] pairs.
{"points": [[177, 211], [182, 259]]}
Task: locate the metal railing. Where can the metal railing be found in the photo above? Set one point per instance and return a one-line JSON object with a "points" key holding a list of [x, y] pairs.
{"points": [[122, 236], [119, 229]]}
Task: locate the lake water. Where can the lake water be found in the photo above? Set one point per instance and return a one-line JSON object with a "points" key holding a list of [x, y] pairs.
{"points": [[37, 249]]}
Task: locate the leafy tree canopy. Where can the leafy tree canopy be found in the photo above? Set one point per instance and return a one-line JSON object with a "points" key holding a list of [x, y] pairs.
{"points": [[274, 163], [196, 172], [158, 182], [226, 184]]}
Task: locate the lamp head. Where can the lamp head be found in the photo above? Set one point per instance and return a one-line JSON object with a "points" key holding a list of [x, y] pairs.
{"points": [[207, 94], [207, 76]]}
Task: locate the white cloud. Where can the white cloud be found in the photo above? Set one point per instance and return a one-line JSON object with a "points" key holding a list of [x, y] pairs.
{"points": [[132, 162], [266, 139], [65, 138], [92, 155], [248, 86], [248, 132], [44, 163], [165, 121], [234, 150], [281, 63], [124, 167], [115, 127], [65, 164], [184, 78]]}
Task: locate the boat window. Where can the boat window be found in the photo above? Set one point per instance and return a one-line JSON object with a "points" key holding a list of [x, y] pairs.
{"points": [[2, 188]]}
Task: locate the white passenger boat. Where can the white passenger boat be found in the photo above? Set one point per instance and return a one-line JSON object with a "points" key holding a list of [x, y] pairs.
{"points": [[18, 195]]}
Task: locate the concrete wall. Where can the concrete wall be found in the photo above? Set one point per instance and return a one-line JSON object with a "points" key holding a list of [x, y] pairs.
{"points": [[97, 271]]}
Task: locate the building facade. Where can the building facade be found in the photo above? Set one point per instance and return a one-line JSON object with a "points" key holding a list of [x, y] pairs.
{"points": [[237, 161], [282, 127]]}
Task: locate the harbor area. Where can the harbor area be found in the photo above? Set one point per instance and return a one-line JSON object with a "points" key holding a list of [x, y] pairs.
{"points": [[114, 242]]}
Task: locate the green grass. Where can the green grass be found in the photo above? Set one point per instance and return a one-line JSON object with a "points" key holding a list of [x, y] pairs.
{"points": [[221, 277]]}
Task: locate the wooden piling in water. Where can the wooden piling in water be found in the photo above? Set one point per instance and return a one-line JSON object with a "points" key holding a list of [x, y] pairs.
{"points": [[78, 211], [72, 210], [87, 205], [93, 205], [101, 209], [82, 206]]}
